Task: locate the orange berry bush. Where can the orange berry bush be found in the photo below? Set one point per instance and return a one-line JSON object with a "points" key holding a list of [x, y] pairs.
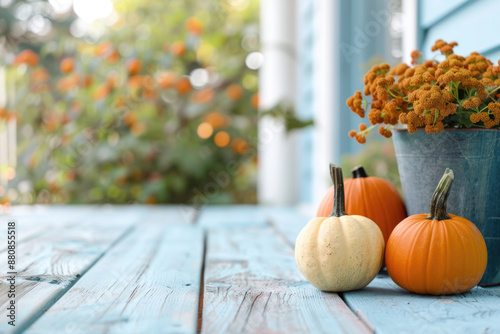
{"points": [[157, 119], [458, 92]]}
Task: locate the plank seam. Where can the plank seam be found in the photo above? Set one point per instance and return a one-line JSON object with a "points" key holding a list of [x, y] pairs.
{"points": [[364, 320], [31, 320], [357, 312], [202, 283]]}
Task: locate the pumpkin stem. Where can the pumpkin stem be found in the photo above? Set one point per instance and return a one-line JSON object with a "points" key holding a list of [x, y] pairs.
{"points": [[338, 184], [440, 197], [358, 171]]}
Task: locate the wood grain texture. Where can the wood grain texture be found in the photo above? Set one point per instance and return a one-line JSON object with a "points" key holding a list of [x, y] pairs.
{"points": [[169, 214], [33, 221], [216, 216], [49, 264], [394, 310], [252, 285], [288, 222], [147, 283]]}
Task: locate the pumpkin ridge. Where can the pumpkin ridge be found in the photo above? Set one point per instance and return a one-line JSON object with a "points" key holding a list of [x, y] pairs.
{"points": [[398, 233], [317, 253], [345, 241], [462, 248], [447, 250], [472, 229], [419, 227], [477, 259], [348, 193], [387, 223], [364, 277], [340, 243], [428, 286], [368, 229], [480, 245]]}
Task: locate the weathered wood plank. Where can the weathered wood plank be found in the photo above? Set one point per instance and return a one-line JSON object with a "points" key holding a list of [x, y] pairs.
{"points": [[49, 264], [148, 283], [33, 221], [170, 214], [252, 285], [290, 221], [394, 310], [215, 216]]}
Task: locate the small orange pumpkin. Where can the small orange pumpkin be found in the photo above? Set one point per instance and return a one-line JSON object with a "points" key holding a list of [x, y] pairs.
{"points": [[436, 254], [371, 197]]}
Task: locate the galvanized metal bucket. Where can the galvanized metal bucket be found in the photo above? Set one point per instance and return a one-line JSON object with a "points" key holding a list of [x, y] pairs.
{"points": [[474, 156]]}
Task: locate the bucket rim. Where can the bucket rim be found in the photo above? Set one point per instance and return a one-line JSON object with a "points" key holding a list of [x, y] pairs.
{"points": [[448, 129]]}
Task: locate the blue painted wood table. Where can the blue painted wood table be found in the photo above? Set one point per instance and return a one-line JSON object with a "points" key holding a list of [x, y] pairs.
{"points": [[138, 269]]}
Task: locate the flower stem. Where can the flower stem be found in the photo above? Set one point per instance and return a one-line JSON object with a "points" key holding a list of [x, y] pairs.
{"points": [[493, 90], [338, 184], [389, 91], [440, 197]]}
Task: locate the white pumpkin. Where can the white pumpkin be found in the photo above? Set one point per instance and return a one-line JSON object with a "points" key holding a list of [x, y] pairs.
{"points": [[340, 252]]}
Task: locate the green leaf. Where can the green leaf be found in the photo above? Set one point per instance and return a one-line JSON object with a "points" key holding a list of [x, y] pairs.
{"points": [[285, 112]]}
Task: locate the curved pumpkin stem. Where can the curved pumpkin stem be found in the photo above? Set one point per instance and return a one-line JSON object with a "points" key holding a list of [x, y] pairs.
{"points": [[358, 171], [338, 184], [440, 197]]}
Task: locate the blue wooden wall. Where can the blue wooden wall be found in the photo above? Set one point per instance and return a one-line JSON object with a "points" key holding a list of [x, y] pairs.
{"points": [[474, 24], [364, 42], [350, 18]]}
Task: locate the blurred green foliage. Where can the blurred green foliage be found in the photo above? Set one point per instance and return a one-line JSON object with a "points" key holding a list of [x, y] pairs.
{"points": [[159, 107]]}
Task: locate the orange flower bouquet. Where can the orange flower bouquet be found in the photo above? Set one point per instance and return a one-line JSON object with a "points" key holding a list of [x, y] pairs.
{"points": [[459, 92]]}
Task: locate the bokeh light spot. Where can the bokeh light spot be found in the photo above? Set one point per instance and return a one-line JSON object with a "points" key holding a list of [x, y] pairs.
{"points": [[254, 60], [10, 173], [222, 139], [199, 77], [205, 130], [91, 10]]}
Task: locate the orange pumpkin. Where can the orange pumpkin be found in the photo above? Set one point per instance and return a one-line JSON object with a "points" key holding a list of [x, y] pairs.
{"points": [[370, 197], [438, 253]]}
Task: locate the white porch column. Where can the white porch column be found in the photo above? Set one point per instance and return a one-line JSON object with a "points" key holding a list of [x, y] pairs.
{"points": [[326, 113], [277, 179], [410, 32]]}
